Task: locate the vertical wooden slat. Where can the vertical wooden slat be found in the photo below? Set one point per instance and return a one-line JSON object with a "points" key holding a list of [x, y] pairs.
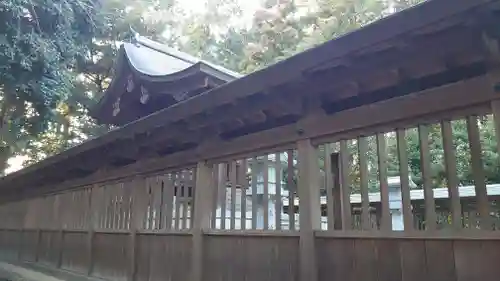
{"points": [[90, 229], [450, 161], [168, 200], [123, 216], [405, 180], [201, 218], [151, 210], [478, 172], [185, 206], [182, 200], [215, 198], [242, 178], [291, 190], [254, 192], [178, 196], [310, 209], [190, 201], [223, 194], [118, 205], [495, 108], [106, 203], [363, 173], [75, 211], [185, 198], [111, 205], [82, 217], [329, 186], [425, 162], [61, 209], [384, 185], [345, 186], [72, 210], [278, 205], [127, 194], [233, 180], [39, 224], [137, 217], [157, 200], [265, 171], [336, 192], [97, 208]]}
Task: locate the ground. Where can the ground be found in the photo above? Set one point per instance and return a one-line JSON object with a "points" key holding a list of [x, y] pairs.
{"points": [[29, 272]]}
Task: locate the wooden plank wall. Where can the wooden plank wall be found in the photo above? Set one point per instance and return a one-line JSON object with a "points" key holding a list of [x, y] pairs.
{"points": [[105, 230], [375, 259], [250, 224], [247, 257]]}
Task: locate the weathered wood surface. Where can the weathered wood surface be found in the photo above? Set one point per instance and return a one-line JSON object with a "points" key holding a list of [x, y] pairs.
{"points": [[255, 257], [74, 252], [251, 258], [161, 219]]}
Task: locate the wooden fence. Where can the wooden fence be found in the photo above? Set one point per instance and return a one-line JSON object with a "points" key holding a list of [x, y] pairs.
{"points": [[186, 223]]}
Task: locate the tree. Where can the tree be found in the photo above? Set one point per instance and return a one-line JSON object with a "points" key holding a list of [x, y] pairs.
{"points": [[71, 124], [40, 43]]}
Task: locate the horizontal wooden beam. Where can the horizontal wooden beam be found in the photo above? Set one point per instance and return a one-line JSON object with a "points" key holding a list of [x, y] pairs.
{"points": [[441, 101], [410, 60], [283, 101], [462, 94]]}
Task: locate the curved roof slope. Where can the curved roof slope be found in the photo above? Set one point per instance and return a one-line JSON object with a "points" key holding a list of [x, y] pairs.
{"points": [[155, 59], [157, 66]]}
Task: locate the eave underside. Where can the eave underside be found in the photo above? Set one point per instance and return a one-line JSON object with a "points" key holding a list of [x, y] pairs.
{"points": [[163, 90], [428, 58]]}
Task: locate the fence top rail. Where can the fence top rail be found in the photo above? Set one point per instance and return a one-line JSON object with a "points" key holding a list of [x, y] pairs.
{"points": [[297, 99]]}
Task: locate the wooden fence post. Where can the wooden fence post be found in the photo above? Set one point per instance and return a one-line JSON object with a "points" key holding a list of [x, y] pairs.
{"points": [[138, 209], [61, 247], [61, 225], [310, 209], [37, 244], [202, 207], [20, 244], [92, 216]]}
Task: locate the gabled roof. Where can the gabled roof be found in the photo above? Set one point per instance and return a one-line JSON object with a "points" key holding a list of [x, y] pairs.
{"points": [[147, 62], [157, 61]]}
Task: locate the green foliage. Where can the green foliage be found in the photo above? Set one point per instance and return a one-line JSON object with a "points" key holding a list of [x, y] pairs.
{"points": [[40, 43], [92, 73]]}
